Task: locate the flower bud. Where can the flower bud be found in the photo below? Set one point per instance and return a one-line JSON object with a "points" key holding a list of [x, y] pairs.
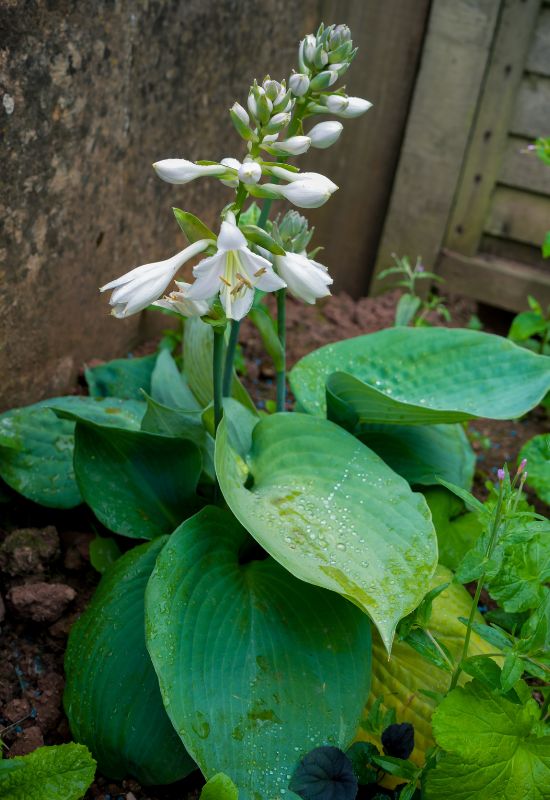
{"points": [[284, 102], [294, 146], [250, 172], [309, 47], [339, 35], [278, 122], [179, 170], [232, 163], [240, 120], [323, 80], [306, 193], [320, 58], [272, 89], [355, 107], [252, 105], [336, 102], [288, 175], [324, 134], [299, 84]]}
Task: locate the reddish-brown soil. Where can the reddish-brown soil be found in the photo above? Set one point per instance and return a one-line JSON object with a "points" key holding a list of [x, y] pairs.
{"points": [[46, 578]]}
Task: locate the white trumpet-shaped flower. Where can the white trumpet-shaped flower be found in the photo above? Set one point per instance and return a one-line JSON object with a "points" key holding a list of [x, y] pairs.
{"points": [[140, 287], [306, 279], [179, 170], [233, 272], [250, 172], [179, 302]]}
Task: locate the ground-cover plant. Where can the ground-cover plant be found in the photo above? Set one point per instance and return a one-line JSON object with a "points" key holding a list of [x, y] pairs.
{"points": [[271, 549], [413, 306]]}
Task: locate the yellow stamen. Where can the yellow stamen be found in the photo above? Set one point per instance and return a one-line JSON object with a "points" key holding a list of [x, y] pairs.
{"points": [[222, 279], [261, 271], [244, 280]]}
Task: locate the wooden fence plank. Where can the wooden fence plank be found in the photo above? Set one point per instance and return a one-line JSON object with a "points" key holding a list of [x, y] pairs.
{"points": [[522, 169], [532, 112], [390, 35], [539, 53], [501, 283], [517, 215], [512, 40], [445, 100]]}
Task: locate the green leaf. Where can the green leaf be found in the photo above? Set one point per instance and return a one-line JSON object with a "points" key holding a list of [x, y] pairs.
{"points": [[494, 748], [537, 453], [112, 697], [422, 376], [103, 552], [396, 766], [525, 325], [457, 532], [63, 772], [198, 347], [546, 246], [519, 584], [255, 667], [407, 307], [123, 377], [36, 448], [169, 387], [331, 512], [193, 228], [138, 484], [512, 670], [423, 454], [219, 787], [181, 424], [267, 329], [261, 237]]}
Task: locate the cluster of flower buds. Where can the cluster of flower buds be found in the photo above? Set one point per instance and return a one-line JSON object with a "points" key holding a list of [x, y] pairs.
{"points": [[323, 58], [269, 112], [292, 232]]}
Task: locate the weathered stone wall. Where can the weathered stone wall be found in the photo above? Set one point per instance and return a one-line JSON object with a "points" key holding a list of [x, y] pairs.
{"points": [[94, 91]]}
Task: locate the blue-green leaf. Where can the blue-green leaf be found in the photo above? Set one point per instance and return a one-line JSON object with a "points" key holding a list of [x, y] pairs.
{"points": [[112, 697], [255, 666]]}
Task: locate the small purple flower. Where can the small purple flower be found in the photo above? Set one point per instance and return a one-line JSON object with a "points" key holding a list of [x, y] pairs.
{"points": [[522, 465], [501, 474], [419, 268]]}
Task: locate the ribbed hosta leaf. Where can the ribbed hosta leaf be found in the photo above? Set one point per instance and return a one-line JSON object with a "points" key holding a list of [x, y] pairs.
{"points": [[256, 667], [36, 448], [331, 512], [424, 453], [415, 376], [112, 697]]}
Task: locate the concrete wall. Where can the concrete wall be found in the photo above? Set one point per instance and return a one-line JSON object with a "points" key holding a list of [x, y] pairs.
{"points": [[93, 92]]}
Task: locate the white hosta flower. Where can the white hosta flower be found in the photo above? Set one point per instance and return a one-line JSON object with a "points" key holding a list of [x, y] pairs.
{"points": [[140, 287], [179, 170], [298, 83], [250, 172], [241, 113], [179, 302], [354, 108], [234, 271], [324, 134], [294, 146], [306, 279]]}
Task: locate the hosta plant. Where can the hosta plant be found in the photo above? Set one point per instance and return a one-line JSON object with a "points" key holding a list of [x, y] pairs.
{"points": [[265, 552]]}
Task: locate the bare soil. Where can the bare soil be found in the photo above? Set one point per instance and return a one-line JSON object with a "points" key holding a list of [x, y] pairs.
{"points": [[46, 579]]}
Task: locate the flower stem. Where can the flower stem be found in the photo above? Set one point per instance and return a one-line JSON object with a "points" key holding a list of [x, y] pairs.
{"points": [[230, 357], [281, 332], [217, 371], [480, 582]]}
